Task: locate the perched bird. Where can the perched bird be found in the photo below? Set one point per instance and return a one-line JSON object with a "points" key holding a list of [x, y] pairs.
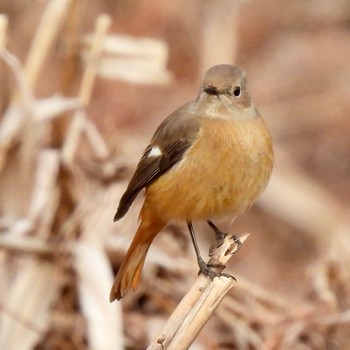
{"points": [[210, 158]]}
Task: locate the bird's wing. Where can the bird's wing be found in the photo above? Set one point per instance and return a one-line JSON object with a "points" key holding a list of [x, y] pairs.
{"points": [[168, 146]]}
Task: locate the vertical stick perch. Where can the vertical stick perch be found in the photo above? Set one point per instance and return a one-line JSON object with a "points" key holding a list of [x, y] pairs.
{"points": [[200, 302]]}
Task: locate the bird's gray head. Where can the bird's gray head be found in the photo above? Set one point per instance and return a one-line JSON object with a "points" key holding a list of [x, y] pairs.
{"points": [[227, 83]]}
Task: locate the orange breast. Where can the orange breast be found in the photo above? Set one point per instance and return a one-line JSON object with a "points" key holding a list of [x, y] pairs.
{"points": [[224, 171]]}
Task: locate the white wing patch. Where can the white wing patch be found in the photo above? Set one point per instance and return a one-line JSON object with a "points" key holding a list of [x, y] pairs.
{"points": [[155, 152]]}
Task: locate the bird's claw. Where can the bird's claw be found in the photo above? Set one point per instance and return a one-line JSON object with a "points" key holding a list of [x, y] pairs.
{"points": [[207, 270]]}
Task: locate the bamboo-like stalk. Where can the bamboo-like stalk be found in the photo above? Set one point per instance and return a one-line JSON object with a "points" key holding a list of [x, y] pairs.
{"points": [[219, 32], [200, 313], [25, 245], [200, 302], [4, 88], [3, 30], [102, 25], [49, 27], [13, 119], [79, 120]]}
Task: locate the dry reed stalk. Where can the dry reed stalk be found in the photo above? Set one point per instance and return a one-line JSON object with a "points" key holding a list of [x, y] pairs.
{"points": [[69, 42], [90, 258], [4, 86], [53, 107], [200, 302], [45, 196], [219, 37], [13, 118], [104, 321], [34, 280], [36, 310], [102, 25], [67, 139], [70, 61], [79, 119], [12, 242], [47, 31], [3, 30], [135, 60], [46, 34], [96, 141]]}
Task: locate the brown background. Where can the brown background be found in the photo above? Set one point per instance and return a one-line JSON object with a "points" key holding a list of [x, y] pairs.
{"points": [[293, 283]]}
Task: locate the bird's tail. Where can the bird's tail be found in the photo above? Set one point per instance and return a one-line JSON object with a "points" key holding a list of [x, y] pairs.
{"points": [[130, 270]]}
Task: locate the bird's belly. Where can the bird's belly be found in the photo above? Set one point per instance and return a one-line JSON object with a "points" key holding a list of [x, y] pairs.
{"points": [[200, 195], [218, 176]]}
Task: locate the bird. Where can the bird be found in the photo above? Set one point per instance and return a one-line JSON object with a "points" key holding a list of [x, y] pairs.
{"points": [[209, 159]]}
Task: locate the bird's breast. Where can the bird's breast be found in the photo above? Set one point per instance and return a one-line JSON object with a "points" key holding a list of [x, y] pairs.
{"points": [[222, 173]]}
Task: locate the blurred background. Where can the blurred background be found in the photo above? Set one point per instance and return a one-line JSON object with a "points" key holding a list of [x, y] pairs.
{"points": [[83, 85]]}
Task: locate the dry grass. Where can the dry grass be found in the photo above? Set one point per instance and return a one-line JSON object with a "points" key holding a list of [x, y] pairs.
{"points": [[61, 177]]}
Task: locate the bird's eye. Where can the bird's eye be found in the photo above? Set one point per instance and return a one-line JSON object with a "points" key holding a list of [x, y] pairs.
{"points": [[237, 91]]}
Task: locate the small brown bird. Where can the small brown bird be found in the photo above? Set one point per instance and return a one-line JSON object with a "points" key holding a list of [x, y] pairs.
{"points": [[210, 158]]}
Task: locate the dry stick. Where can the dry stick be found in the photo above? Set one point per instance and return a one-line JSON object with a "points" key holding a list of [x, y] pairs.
{"points": [[45, 192], [4, 88], [69, 61], [18, 317], [46, 33], [200, 302], [25, 245], [79, 121], [102, 25], [96, 141], [13, 119], [3, 30], [48, 29], [219, 21], [200, 313], [70, 52]]}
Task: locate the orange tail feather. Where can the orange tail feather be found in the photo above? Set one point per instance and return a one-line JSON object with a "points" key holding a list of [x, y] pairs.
{"points": [[130, 270]]}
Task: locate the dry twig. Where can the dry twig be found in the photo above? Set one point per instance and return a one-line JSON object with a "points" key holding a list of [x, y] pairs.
{"points": [[200, 302], [80, 122]]}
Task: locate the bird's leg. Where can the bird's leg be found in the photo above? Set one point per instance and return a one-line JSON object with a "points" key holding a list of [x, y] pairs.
{"points": [[219, 235], [219, 239], [203, 266]]}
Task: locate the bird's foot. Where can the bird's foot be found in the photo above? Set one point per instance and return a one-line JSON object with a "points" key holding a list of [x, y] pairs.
{"points": [[212, 270]]}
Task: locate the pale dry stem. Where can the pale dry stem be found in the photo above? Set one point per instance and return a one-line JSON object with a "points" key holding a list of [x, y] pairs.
{"points": [[3, 30], [79, 122], [46, 34], [200, 302]]}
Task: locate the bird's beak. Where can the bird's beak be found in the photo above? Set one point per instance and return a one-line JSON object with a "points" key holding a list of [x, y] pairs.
{"points": [[211, 90]]}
